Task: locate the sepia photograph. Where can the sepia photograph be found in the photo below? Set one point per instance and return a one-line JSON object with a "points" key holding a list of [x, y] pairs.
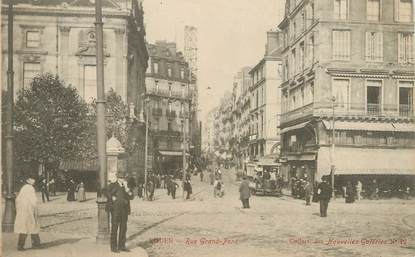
{"points": [[207, 128]]}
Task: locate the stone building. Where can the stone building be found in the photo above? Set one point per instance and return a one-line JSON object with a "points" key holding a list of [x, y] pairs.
{"points": [[170, 88], [350, 62], [59, 37], [265, 99]]}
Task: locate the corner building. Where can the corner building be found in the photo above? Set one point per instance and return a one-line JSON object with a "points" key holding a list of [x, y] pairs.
{"points": [[359, 53]]}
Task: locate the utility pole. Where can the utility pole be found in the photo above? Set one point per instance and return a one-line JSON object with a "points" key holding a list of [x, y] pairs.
{"points": [[10, 207], [184, 151], [145, 150], [332, 165], [103, 216]]}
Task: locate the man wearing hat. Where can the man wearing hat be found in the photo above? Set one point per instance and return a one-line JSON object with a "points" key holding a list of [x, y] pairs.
{"points": [[244, 192], [119, 196], [27, 217], [324, 191]]}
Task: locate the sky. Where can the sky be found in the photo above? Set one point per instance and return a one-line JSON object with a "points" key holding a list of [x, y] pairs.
{"points": [[231, 35]]}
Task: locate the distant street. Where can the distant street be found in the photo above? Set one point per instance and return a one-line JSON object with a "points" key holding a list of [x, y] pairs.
{"points": [[207, 226]]}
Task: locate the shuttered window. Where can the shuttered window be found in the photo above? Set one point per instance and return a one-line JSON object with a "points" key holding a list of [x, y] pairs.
{"points": [[373, 10], [341, 9], [374, 46], [405, 48], [403, 10], [341, 45]]}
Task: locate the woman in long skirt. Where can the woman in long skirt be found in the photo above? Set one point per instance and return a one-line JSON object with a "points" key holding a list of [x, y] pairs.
{"points": [[81, 192]]}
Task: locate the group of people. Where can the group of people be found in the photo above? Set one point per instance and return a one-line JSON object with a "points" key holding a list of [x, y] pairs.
{"points": [[76, 192]]}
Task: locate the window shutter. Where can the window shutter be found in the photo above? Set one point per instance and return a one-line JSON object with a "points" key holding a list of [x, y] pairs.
{"points": [[400, 43], [410, 48], [378, 46], [396, 6], [368, 46], [348, 44]]}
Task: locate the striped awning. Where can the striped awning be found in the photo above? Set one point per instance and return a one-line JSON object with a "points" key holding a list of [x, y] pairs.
{"points": [[351, 161], [79, 165], [356, 125], [298, 126]]}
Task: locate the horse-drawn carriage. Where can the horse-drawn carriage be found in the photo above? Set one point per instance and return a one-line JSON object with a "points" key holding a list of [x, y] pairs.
{"points": [[264, 178]]}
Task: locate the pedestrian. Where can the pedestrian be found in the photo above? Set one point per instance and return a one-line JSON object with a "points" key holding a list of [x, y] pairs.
{"points": [[244, 192], [211, 177], [201, 175], [52, 187], [71, 190], [350, 193], [359, 187], [187, 187], [324, 194], [173, 188], [308, 191], [374, 191], [81, 195], [27, 217], [44, 189], [315, 194], [150, 189], [119, 196]]}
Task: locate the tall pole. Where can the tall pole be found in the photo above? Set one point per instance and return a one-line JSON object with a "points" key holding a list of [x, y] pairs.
{"points": [[184, 151], [103, 216], [332, 166], [10, 208], [145, 152]]}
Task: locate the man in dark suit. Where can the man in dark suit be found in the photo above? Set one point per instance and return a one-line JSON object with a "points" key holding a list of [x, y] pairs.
{"points": [[119, 196], [324, 193]]}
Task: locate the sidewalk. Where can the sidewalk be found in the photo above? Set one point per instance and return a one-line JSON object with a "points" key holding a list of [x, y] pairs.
{"points": [[64, 245]]}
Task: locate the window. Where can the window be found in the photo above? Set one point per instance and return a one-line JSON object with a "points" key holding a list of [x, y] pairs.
{"points": [[32, 39], [293, 62], [341, 44], [155, 67], [405, 48], [341, 9], [373, 10], [311, 50], [340, 90], [30, 70], [403, 10], [182, 73], [373, 96], [156, 124], [374, 46], [406, 98], [90, 83], [169, 72], [301, 57]]}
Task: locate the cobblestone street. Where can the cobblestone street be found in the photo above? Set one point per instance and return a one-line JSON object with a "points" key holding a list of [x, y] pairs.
{"points": [[208, 226]]}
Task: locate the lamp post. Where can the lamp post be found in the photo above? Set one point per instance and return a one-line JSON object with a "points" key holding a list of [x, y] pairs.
{"points": [[184, 151], [332, 165], [103, 217], [10, 207], [145, 106]]}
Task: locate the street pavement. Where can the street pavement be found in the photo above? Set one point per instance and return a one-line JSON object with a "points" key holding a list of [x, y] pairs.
{"points": [[208, 226]]}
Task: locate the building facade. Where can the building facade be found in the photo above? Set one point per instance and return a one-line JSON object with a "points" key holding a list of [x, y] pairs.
{"points": [[348, 63], [265, 99], [170, 89], [59, 37]]}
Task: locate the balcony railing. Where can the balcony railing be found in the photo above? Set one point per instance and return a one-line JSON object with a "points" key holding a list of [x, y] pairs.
{"points": [[171, 114], [349, 109], [157, 111], [168, 93]]}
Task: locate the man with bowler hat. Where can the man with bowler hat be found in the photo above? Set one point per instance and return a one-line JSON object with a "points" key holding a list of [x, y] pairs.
{"points": [[324, 193], [119, 196]]}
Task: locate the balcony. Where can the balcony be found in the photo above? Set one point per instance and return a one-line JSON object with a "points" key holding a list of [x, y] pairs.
{"points": [[166, 133], [358, 110], [174, 94], [157, 112], [171, 114], [184, 114]]}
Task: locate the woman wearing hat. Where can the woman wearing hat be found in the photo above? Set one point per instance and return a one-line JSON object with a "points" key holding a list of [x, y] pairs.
{"points": [[27, 217]]}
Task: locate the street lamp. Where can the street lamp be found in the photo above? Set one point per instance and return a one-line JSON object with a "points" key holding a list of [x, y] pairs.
{"points": [[332, 165], [103, 216], [145, 107], [10, 207]]}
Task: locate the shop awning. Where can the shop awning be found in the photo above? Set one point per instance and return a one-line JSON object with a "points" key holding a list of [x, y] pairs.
{"points": [[303, 157], [350, 161], [404, 127], [172, 153], [79, 165], [361, 126], [298, 126]]}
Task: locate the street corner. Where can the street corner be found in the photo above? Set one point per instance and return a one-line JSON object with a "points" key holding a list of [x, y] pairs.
{"points": [[60, 245]]}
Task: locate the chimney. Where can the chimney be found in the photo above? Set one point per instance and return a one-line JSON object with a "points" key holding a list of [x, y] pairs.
{"points": [[273, 41]]}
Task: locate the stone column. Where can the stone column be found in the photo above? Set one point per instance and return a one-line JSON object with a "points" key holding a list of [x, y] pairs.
{"points": [[64, 52]]}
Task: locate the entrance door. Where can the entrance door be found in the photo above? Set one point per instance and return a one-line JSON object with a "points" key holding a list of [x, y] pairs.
{"points": [[373, 98]]}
